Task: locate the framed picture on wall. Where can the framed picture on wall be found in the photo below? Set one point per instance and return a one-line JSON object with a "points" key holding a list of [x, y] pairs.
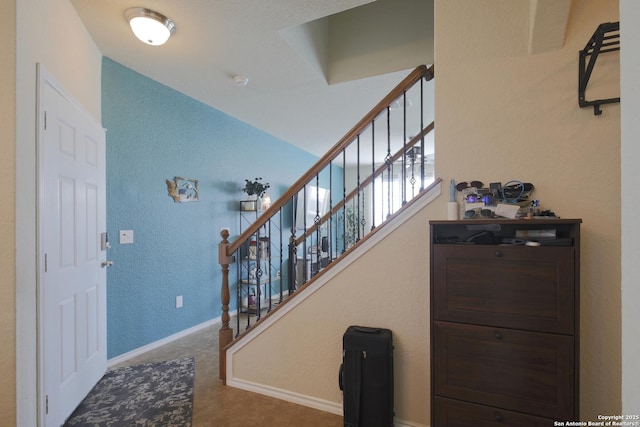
{"points": [[183, 190]]}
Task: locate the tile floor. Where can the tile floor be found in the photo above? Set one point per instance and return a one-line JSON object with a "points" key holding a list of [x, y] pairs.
{"points": [[218, 405]]}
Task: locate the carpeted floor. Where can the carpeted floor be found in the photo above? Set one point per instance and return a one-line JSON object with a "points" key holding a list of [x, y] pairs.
{"points": [[216, 405], [149, 394]]}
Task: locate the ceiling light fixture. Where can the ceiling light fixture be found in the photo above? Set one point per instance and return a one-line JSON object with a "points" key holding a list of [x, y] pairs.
{"points": [[150, 27]]}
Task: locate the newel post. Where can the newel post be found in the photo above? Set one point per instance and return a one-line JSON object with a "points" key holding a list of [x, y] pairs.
{"points": [[225, 335]]}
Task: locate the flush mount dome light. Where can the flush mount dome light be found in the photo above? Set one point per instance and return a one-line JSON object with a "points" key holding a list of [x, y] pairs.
{"points": [[150, 27]]}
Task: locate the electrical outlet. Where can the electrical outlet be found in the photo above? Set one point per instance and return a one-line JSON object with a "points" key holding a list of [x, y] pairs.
{"points": [[179, 301]]}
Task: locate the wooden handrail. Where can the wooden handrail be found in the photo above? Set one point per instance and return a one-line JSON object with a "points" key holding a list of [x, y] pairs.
{"points": [[226, 250], [420, 72], [368, 180]]}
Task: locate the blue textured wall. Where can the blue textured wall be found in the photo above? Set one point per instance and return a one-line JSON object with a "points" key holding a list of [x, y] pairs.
{"points": [[155, 133]]}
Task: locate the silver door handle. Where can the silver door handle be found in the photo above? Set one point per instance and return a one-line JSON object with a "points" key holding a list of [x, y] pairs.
{"points": [[104, 264]]}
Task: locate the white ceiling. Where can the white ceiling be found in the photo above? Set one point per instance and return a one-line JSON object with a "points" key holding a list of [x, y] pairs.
{"points": [[315, 67]]}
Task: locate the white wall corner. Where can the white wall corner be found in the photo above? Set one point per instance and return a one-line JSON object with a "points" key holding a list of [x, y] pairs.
{"points": [[547, 24]]}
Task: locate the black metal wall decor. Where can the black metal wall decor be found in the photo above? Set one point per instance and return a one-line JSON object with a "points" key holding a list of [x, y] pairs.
{"points": [[605, 39]]}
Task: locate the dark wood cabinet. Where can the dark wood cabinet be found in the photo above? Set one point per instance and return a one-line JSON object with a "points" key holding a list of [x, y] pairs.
{"points": [[456, 413], [504, 322]]}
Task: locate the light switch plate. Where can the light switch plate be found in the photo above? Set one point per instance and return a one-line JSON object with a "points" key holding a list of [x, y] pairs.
{"points": [[126, 237]]}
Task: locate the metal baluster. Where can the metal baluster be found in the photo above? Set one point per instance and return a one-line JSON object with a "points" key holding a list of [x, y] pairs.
{"points": [[270, 266], [330, 222], [413, 174], [280, 254], [316, 221], [422, 171], [373, 173], [390, 189], [344, 201], [258, 277], [293, 251], [359, 218], [382, 195], [403, 185], [304, 242], [389, 162], [238, 290], [247, 281], [362, 220]]}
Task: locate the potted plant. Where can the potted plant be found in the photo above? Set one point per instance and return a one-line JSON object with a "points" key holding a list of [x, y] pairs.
{"points": [[255, 188]]}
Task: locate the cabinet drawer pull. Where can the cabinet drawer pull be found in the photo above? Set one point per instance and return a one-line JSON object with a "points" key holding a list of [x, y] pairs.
{"points": [[499, 254], [498, 336], [499, 417]]}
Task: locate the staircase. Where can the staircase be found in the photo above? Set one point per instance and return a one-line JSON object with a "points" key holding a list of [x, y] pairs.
{"points": [[378, 171]]}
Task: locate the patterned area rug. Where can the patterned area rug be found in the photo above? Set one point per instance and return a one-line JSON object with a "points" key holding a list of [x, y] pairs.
{"points": [[150, 394]]}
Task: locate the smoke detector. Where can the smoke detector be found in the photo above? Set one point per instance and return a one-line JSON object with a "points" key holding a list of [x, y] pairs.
{"points": [[241, 80]]}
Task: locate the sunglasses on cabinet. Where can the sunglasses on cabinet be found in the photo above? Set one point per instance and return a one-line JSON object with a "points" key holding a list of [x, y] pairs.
{"points": [[462, 185], [476, 213]]}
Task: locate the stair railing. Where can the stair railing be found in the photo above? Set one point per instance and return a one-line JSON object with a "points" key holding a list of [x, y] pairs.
{"points": [[373, 171]]}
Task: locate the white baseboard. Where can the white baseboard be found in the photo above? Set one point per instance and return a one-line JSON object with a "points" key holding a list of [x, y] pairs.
{"points": [[308, 401], [140, 350], [286, 395], [403, 423]]}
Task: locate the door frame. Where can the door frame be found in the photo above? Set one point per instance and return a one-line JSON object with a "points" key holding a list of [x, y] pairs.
{"points": [[43, 77]]}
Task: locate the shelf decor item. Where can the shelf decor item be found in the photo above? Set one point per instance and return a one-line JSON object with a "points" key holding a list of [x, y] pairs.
{"points": [[248, 205], [253, 250], [255, 189], [264, 247]]}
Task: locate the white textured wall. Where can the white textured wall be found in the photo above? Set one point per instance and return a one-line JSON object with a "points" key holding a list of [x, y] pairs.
{"points": [[387, 287], [362, 44], [501, 114], [49, 32]]}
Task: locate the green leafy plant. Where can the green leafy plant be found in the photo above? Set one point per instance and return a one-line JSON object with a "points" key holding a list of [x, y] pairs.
{"points": [[354, 227], [256, 187]]}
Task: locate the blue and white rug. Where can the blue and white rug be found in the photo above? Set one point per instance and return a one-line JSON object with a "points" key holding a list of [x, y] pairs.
{"points": [[150, 394]]}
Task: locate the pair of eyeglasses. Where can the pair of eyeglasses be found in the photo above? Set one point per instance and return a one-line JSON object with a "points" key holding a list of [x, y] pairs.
{"points": [[486, 198], [473, 213], [462, 185]]}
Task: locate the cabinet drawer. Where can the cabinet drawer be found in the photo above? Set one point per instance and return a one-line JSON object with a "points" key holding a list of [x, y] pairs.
{"points": [[520, 287], [523, 371], [454, 413]]}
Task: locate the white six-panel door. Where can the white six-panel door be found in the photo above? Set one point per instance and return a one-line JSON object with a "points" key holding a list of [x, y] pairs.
{"points": [[72, 306]]}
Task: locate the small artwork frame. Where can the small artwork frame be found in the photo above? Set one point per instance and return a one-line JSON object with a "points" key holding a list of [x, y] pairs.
{"points": [[183, 190]]}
